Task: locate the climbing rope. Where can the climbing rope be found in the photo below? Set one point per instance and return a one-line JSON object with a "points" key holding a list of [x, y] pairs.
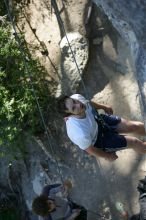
{"points": [[85, 91], [25, 60], [54, 4]]}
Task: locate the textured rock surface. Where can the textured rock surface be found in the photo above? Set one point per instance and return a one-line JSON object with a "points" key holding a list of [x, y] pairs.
{"points": [[73, 61], [128, 17]]}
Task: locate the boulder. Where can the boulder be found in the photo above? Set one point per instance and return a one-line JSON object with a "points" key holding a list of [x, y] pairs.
{"points": [[74, 57]]}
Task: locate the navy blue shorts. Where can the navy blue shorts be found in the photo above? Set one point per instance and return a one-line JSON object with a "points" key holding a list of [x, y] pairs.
{"points": [[110, 140]]}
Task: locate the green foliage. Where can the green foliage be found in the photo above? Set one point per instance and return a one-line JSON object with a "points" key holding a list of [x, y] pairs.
{"points": [[9, 208], [9, 214], [2, 8], [18, 109]]}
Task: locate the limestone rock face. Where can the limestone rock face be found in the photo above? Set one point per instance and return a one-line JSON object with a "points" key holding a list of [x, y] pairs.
{"points": [[129, 18], [70, 74]]}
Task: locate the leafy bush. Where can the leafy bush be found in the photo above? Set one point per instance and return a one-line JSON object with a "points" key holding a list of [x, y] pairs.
{"points": [[10, 205], [18, 109], [9, 214], [2, 8]]}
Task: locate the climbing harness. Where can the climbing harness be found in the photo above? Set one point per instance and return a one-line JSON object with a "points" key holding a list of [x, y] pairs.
{"points": [[104, 126]]}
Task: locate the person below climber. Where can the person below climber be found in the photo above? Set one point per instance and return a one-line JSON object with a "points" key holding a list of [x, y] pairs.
{"points": [[99, 135], [54, 204], [142, 201]]}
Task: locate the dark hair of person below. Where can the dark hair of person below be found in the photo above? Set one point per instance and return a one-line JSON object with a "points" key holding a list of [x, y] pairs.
{"points": [[62, 107], [40, 205], [135, 217]]}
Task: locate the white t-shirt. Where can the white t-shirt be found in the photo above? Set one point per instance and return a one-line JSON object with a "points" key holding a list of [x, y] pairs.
{"points": [[82, 131]]}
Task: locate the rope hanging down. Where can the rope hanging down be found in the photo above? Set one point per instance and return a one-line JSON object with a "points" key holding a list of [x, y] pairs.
{"points": [[84, 87], [53, 2], [25, 60]]}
